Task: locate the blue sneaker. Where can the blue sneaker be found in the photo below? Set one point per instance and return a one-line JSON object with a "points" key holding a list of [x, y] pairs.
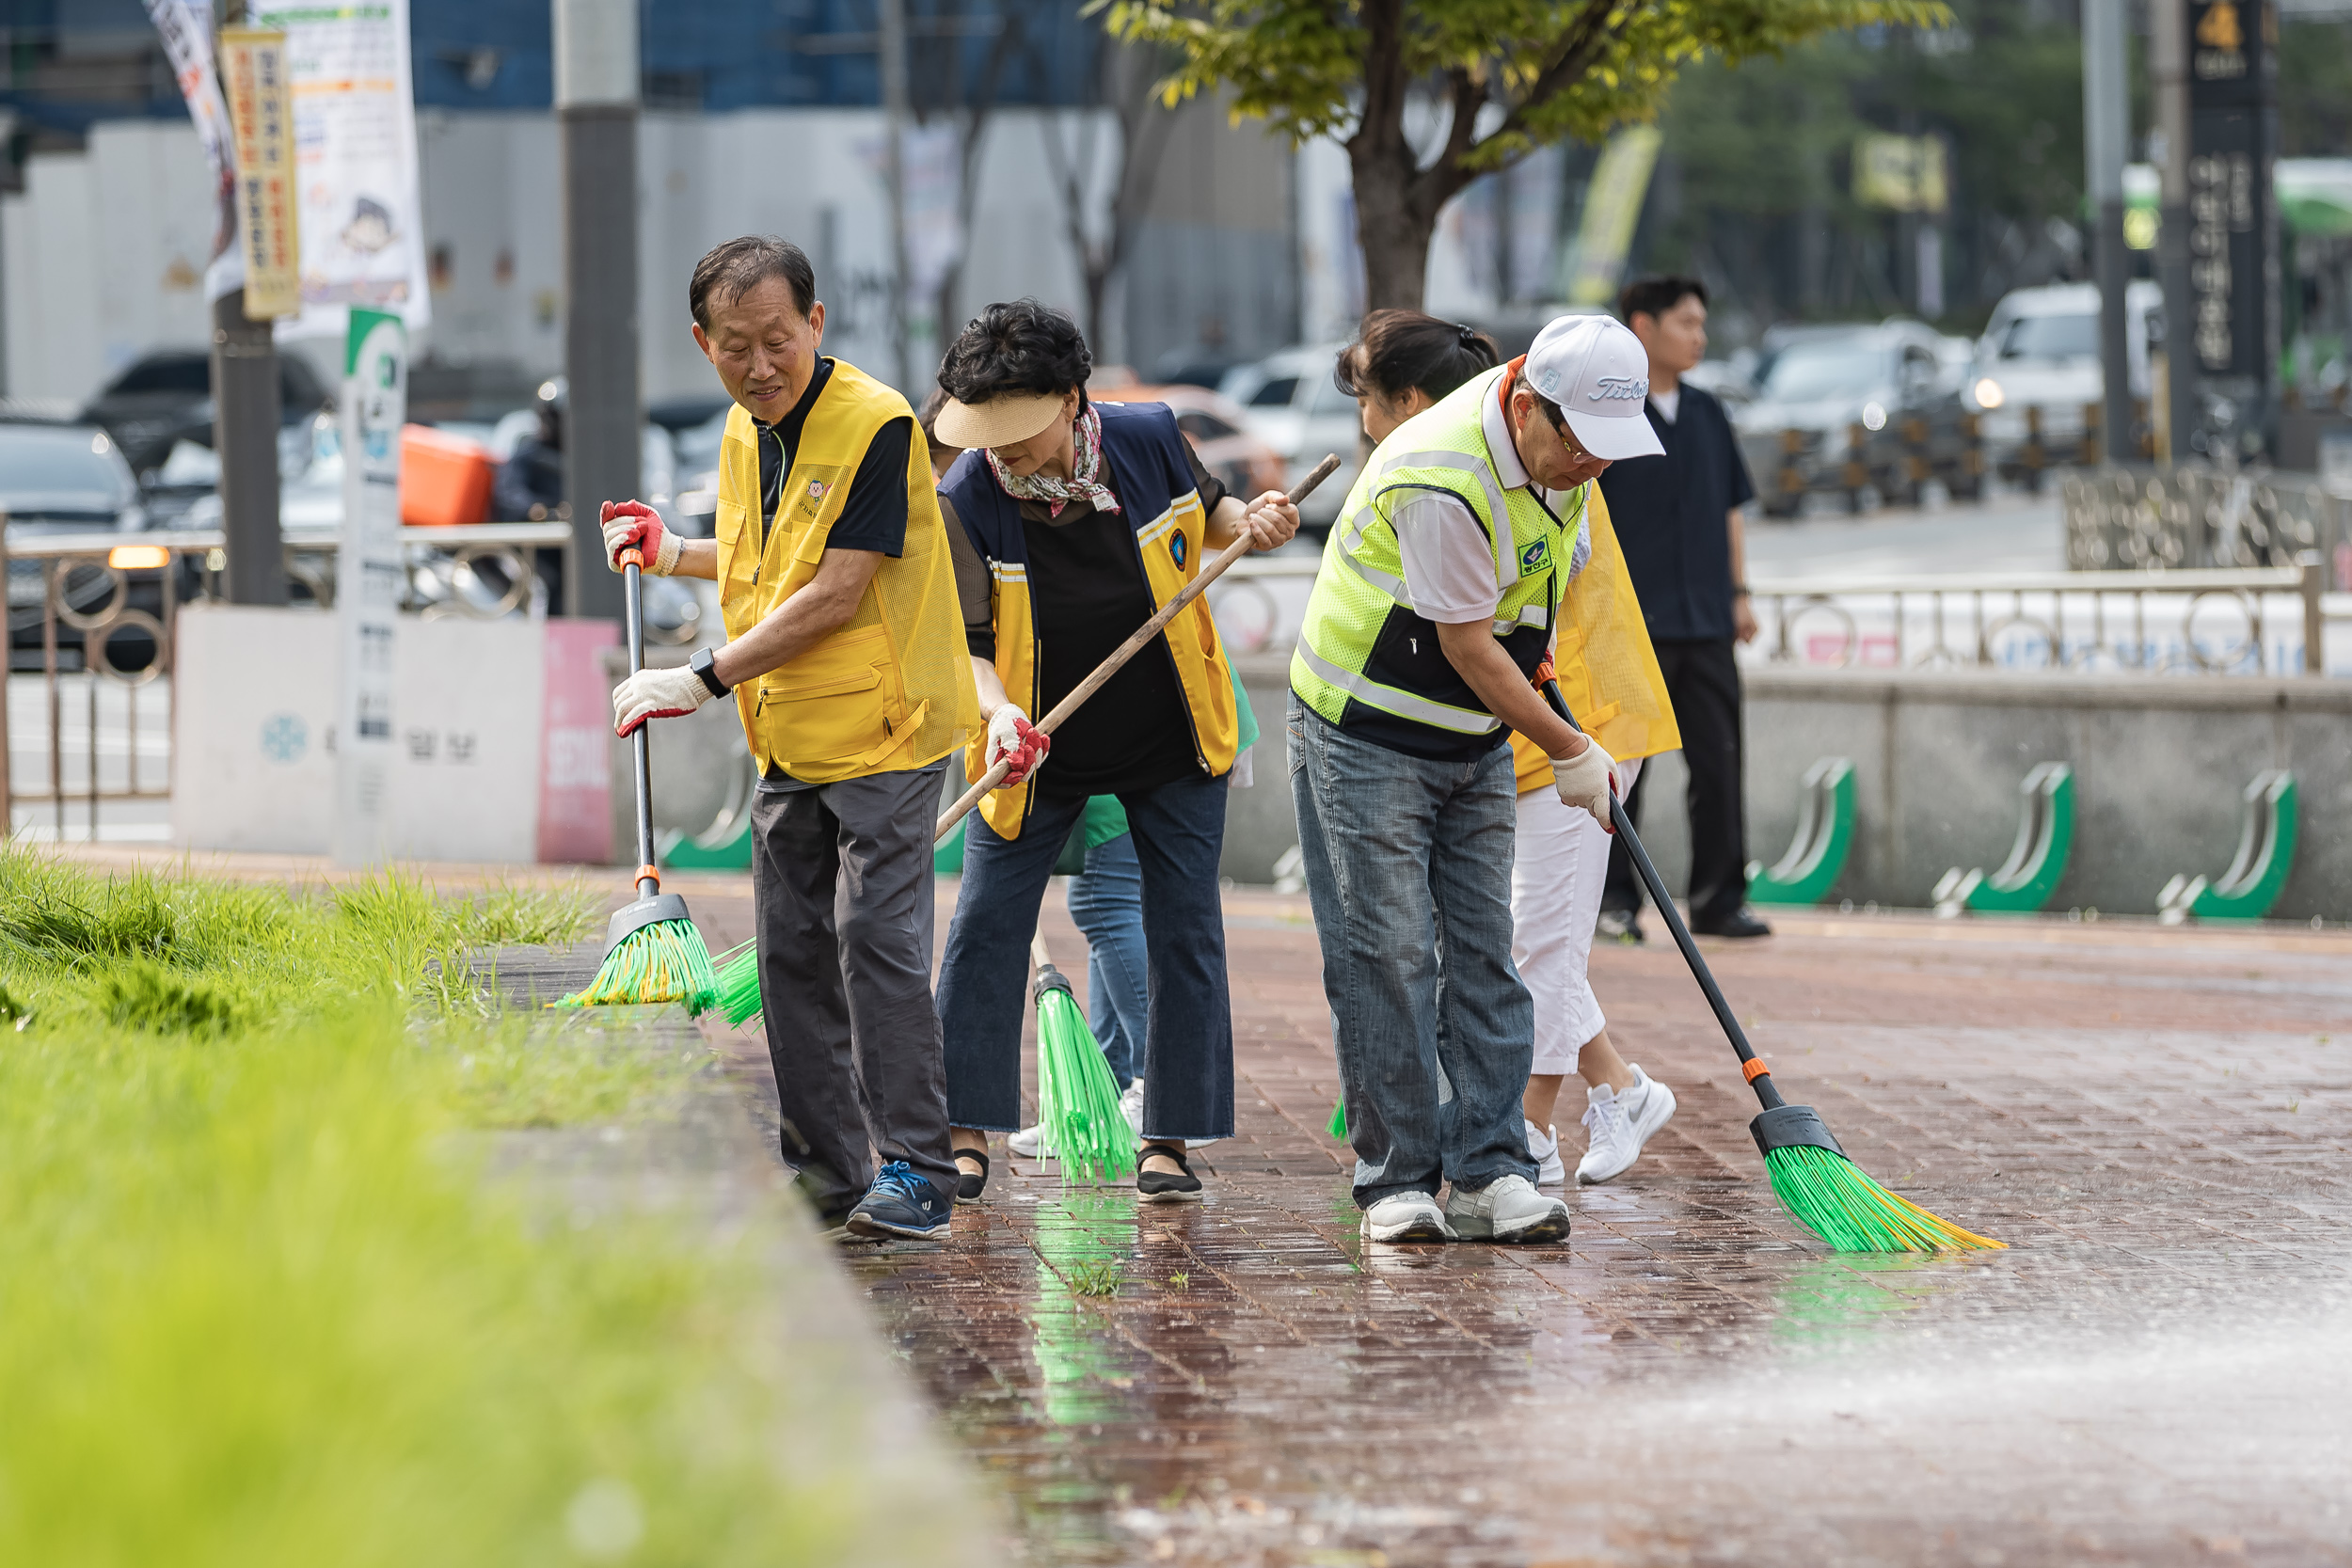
{"points": [[900, 1203]]}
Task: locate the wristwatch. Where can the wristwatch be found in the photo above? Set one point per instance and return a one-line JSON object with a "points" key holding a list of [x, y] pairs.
{"points": [[700, 665]]}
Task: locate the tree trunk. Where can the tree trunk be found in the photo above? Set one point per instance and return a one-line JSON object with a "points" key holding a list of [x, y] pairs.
{"points": [[1391, 228]]}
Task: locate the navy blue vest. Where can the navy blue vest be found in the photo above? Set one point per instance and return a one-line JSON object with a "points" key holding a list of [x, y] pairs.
{"points": [[1149, 472]]}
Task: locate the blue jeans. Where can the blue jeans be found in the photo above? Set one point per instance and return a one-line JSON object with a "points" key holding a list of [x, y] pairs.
{"points": [[1179, 832], [1409, 868], [1106, 904]]}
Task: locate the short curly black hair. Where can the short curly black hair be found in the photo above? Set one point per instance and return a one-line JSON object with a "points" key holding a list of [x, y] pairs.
{"points": [[1019, 346]]}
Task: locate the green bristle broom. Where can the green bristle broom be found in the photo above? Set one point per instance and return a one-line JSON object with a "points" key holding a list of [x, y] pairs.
{"points": [[1080, 1122], [652, 952], [739, 984], [1828, 1194]]}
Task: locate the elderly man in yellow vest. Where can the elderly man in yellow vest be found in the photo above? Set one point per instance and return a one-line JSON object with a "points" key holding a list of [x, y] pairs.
{"points": [[1435, 606], [846, 660]]}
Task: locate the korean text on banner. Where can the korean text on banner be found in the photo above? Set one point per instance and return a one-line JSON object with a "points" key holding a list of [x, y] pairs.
{"points": [[253, 74], [367, 582], [186, 28], [361, 217], [574, 782]]}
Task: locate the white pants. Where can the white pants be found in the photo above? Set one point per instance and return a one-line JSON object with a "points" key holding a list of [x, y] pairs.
{"points": [[1561, 862]]}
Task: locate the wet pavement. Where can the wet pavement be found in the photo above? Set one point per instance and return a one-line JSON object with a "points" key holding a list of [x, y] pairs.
{"points": [[2160, 1369]]}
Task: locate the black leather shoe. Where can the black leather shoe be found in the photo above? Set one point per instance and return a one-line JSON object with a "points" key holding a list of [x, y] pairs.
{"points": [[1742, 922], [971, 1184], [1176, 1186]]}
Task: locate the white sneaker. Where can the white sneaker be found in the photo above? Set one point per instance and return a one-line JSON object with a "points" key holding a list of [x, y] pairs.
{"points": [[1406, 1217], [1620, 1124], [1026, 1143], [1543, 1144], [1509, 1209], [1131, 1101]]}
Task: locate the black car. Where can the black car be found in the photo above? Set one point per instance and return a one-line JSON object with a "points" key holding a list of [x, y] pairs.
{"points": [[167, 396], [60, 479]]}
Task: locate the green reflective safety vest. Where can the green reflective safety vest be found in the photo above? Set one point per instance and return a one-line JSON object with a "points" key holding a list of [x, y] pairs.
{"points": [[1365, 659]]}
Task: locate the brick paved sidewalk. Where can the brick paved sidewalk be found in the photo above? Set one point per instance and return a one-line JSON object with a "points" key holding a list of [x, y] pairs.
{"points": [[2158, 1121]]}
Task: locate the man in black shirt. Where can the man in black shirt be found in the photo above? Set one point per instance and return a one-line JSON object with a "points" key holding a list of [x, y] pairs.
{"points": [[1678, 518]]}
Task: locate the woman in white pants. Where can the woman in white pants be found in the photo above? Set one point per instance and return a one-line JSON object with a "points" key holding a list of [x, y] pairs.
{"points": [[1609, 676]]}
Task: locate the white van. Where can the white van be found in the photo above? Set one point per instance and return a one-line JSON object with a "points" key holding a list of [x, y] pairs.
{"points": [[2040, 350]]}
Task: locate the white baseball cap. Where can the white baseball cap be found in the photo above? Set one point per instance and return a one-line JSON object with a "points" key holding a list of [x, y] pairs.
{"points": [[1598, 372]]}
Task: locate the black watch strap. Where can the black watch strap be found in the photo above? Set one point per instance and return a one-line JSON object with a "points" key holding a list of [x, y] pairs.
{"points": [[700, 665]]}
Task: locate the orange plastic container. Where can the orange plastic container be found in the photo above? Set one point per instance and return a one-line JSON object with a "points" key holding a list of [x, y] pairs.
{"points": [[444, 479]]}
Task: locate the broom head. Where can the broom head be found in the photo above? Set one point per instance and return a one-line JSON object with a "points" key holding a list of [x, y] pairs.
{"points": [[1339, 1121], [652, 954], [739, 985], [1079, 1118], [1836, 1199]]}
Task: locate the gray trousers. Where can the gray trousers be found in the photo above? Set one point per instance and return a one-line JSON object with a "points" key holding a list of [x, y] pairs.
{"points": [[841, 884]]}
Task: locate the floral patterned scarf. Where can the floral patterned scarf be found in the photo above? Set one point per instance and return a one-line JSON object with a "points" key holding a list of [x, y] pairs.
{"points": [[1085, 467]]}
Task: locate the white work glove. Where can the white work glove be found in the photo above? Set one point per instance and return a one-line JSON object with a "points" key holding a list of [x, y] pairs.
{"points": [[670, 693], [1586, 779], [1012, 738], [628, 523]]}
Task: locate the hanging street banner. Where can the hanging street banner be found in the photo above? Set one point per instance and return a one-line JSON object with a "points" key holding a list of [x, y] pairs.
{"points": [[368, 580], [1612, 207], [359, 217], [186, 29], [2232, 208], [260, 109]]}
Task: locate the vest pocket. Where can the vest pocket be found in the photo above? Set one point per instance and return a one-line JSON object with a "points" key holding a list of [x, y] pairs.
{"points": [[840, 700]]}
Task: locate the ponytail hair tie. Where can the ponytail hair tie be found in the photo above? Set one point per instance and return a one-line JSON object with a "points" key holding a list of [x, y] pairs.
{"points": [[1468, 335]]}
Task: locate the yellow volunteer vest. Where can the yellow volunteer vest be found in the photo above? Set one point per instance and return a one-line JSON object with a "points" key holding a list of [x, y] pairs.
{"points": [[893, 688], [1608, 670]]}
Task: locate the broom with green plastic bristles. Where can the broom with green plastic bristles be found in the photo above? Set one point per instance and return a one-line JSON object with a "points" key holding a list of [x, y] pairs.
{"points": [[1078, 1116], [652, 952], [1828, 1194]]}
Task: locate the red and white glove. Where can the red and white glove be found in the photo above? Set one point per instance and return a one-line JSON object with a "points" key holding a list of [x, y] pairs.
{"points": [[634, 523], [671, 693], [1587, 780], [1012, 738]]}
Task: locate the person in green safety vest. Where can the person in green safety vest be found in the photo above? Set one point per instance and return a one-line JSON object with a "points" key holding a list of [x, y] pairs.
{"points": [[1434, 607]]}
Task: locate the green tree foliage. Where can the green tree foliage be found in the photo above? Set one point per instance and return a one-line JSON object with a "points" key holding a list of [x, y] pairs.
{"points": [[1504, 76], [2315, 87]]}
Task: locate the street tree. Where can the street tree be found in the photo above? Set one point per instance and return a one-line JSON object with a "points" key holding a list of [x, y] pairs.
{"points": [[1501, 77]]}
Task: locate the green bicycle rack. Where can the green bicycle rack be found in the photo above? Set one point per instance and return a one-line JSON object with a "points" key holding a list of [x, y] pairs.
{"points": [[1824, 834], [2257, 874], [2037, 861]]}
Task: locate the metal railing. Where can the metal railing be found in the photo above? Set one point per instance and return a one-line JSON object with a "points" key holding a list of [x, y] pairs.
{"points": [[105, 605], [2200, 518], [2143, 622]]}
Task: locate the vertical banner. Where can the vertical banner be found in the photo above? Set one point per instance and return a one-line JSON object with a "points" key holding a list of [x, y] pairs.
{"points": [[1612, 206], [368, 580], [2232, 208], [575, 780], [362, 221], [186, 28], [260, 111]]}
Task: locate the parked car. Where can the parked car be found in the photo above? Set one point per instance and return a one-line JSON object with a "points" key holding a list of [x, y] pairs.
{"points": [[1846, 409], [2038, 366], [167, 396], [1219, 436], [69, 478], [1290, 402]]}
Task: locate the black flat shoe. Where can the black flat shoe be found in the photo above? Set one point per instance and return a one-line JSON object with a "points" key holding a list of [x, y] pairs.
{"points": [[1740, 923], [1163, 1186], [969, 1187]]}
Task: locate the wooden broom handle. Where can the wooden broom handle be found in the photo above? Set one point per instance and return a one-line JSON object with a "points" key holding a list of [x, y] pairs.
{"points": [[1127, 650]]}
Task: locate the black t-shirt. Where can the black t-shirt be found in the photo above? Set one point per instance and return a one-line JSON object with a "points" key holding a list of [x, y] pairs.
{"points": [[874, 515], [1672, 517], [1088, 593]]}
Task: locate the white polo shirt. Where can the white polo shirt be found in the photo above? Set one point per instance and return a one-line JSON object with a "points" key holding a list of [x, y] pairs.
{"points": [[1449, 564]]}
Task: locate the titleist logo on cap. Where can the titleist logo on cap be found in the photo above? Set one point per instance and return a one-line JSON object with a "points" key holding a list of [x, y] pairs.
{"points": [[1623, 389]]}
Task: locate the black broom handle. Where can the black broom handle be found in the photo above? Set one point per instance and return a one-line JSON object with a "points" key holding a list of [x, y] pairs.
{"points": [[1760, 1077], [647, 883]]}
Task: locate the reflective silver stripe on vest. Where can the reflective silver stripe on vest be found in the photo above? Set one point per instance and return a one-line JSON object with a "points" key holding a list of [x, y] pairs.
{"points": [[1390, 699]]}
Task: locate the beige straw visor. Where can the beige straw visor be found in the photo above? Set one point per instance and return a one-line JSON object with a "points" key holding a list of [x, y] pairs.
{"points": [[1000, 421]]}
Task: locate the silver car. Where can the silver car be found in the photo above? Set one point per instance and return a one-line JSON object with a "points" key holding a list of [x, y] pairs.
{"points": [[1292, 403]]}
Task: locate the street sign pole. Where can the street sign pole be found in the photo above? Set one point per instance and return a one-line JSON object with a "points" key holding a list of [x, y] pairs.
{"points": [[596, 107], [2106, 128], [2168, 70], [245, 416]]}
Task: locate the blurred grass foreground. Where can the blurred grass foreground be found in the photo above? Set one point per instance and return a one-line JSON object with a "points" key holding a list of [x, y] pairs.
{"points": [[264, 1305]]}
